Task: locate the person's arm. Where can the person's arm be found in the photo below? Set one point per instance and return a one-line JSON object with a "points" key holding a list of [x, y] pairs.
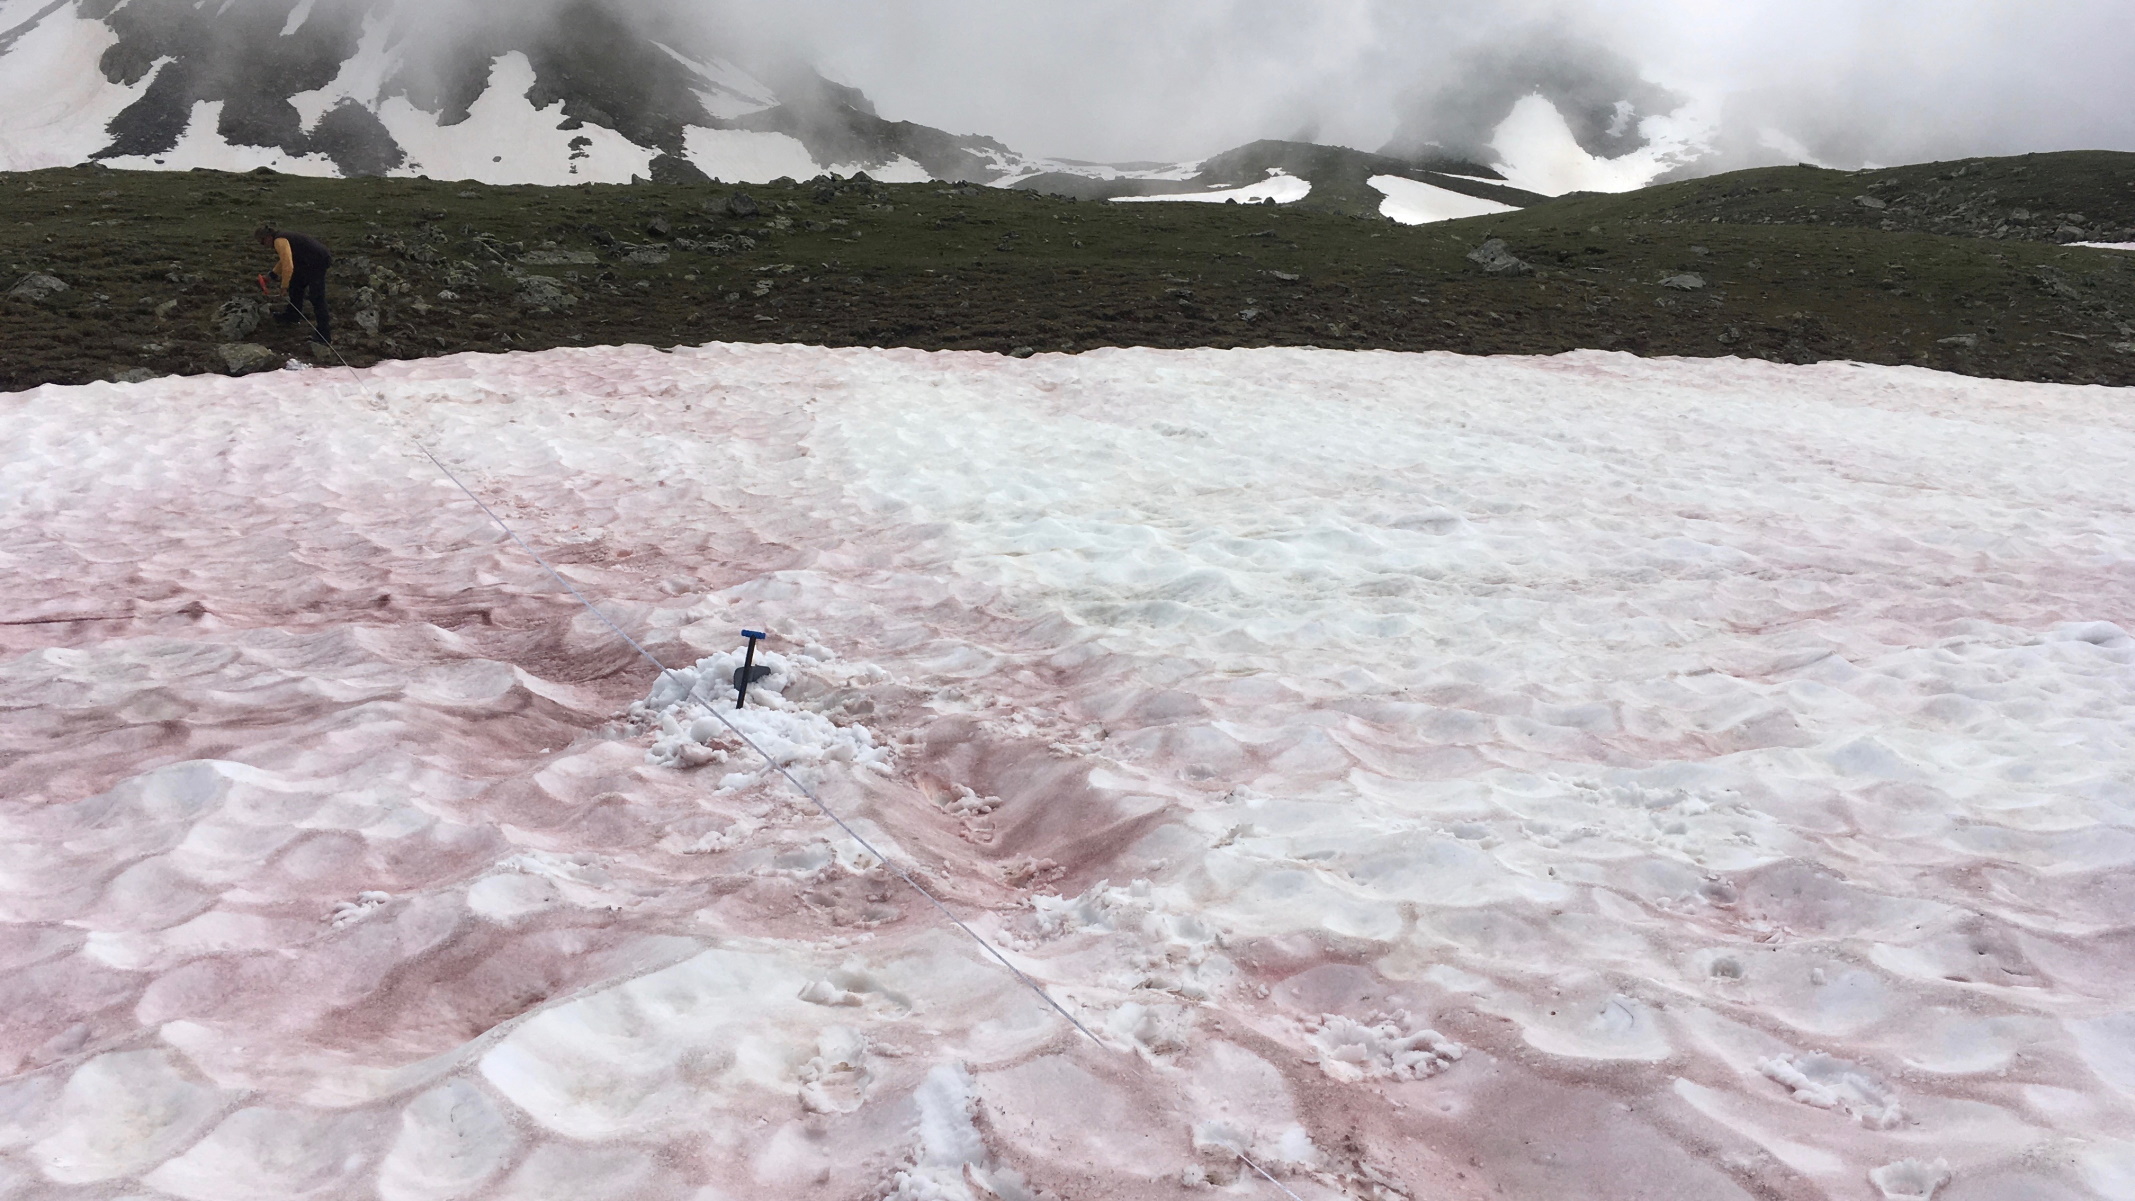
{"points": [[287, 267]]}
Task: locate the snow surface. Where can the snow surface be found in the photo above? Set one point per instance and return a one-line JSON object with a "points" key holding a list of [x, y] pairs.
{"points": [[54, 101], [2106, 245], [202, 146], [1582, 777], [1279, 187], [505, 139], [1537, 151], [1413, 202]]}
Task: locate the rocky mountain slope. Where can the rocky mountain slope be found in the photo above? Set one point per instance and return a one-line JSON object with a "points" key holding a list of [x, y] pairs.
{"points": [[1339, 177], [114, 274], [2078, 196], [378, 87]]}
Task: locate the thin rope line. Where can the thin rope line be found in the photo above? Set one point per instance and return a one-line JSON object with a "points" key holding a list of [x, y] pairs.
{"points": [[1270, 1179]]}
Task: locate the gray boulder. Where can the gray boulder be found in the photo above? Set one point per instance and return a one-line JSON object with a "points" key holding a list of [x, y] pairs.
{"points": [[1686, 282], [544, 292], [247, 358], [1870, 202], [646, 256], [236, 318], [741, 204], [37, 287], [1496, 259], [1960, 341]]}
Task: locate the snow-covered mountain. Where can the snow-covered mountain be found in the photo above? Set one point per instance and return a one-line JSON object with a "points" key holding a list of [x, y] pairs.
{"points": [[589, 91], [376, 87]]}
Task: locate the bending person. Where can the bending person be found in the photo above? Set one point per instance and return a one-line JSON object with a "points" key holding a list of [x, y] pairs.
{"points": [[301, 261]]}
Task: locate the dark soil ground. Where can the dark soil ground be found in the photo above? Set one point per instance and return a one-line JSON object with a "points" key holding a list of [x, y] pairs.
{"points": [[1788, 265]]}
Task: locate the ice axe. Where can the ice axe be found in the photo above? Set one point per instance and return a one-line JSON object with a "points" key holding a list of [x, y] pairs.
{"points": [[748, 673], [263, 286]]}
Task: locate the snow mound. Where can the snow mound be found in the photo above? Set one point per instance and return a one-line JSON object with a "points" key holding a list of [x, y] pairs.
{"points": [[1413, 202], [1830, 1083], [683, 702], [1387, 1046]]}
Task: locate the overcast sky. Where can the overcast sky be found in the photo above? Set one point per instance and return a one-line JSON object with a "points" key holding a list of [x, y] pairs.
{"points": [[1886, 80]]}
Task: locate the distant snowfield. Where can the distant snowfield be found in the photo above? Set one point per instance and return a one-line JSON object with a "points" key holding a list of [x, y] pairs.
{"points": [[54, 102], [2106, 245], [1279, 187], [1580, 776], [1413, 202]]}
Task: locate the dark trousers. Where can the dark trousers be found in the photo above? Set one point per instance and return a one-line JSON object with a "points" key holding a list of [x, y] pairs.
{"points": [[313, 289]]}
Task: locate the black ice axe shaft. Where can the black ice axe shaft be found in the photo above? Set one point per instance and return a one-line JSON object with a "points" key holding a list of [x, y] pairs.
{"points": [[747, 675]]}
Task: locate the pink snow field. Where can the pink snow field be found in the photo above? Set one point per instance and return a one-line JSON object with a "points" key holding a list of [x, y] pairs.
{"points": [[1341, 775]]}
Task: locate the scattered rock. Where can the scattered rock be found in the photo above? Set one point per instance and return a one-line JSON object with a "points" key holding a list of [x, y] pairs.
{"points": [[659, 228], [2123, 347], [133, 375], [1870, 202], [164, 310], [1022, 352], [674, 169], [544, 292], [367, 321], [236, 318], [646, 256], [37, 287], [560, 258], [726, 244], [1960, 341], [1288, 278], [741, 204], [1686, 282], [1249, 316], [247, 358], [1496, 259], [2073, 233]]}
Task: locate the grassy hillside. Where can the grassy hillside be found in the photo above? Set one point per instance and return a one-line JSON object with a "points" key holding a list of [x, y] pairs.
{"points": [[2079, 196], [155, 262]]}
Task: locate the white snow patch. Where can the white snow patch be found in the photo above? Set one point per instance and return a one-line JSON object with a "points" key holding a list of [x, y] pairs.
{"points": [[1537, 152], [506, 140], [747, 156], [2106, 245], [1279, 187], [55, 104], [202, 146], [297, 16], [729, 91], [362, 76], [1413, 202]]}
